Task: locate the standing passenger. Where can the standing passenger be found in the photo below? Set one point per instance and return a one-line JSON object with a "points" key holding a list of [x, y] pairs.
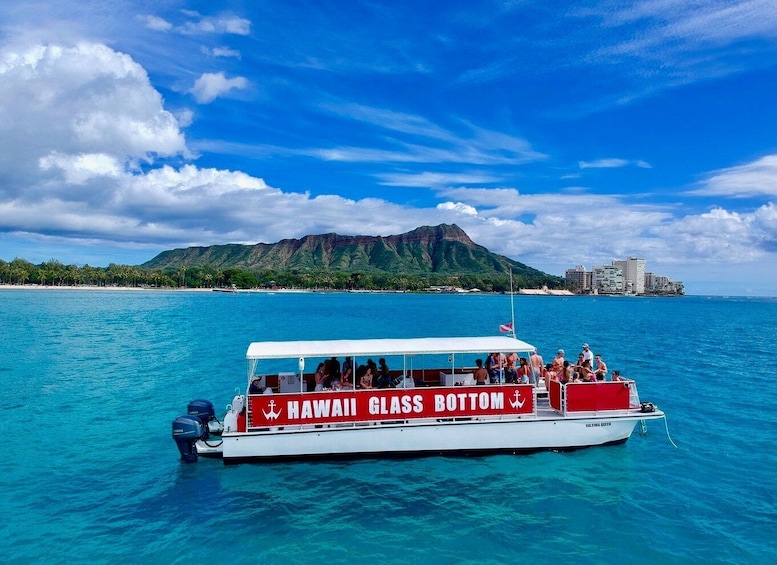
{"points": [[558, 362], [481, 374], [587, 354], [535, 366], [601, 369]]}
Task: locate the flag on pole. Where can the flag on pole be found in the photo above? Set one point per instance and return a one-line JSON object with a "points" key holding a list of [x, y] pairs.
{"points": [[507, 328]]}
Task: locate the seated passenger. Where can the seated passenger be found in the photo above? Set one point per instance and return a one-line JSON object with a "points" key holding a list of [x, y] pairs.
{"points": [[616, 376], [481, 374], [364, 377], [345, 380], [320, 378], [383, 375], [256, 386], [585, 373]]}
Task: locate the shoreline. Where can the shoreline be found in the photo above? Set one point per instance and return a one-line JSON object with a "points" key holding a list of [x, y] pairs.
{"points": [[521, 292]]}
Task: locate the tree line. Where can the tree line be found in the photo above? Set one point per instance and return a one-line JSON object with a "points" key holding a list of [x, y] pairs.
{"points": [[55, 273]]}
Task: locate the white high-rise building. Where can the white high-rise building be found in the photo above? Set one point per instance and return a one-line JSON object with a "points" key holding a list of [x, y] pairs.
{"points": [[633, 274], [607, 279]]}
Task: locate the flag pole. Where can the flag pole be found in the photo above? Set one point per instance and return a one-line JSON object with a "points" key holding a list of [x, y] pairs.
{"points": [[512, 305]]}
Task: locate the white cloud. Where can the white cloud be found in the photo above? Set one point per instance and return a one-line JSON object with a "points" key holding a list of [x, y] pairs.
{"points": [[65, 103], [408, 138], [220, 24], [758, 178], [212, 85], [428, 179], [613, 163], [221, 52], [79, 169], [458, 207], [156, 23]]}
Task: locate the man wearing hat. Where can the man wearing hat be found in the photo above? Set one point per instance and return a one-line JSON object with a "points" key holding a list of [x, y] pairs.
{"points": [[588, 355], [256, 385]]}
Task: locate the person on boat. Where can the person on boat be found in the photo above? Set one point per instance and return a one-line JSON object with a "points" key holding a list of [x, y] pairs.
{"points": [[364, 376], [383, 375], [601, 369], [510, 367], [523, 372], [587, 354], [586, 373], [535, 367], [481, 374], [495, 367], [558, 362], [347, 362], [579, 363], [549, 375], [566, 373], [320, 377], [616, 376], [333, 368], [256, 386], [345, 379]]}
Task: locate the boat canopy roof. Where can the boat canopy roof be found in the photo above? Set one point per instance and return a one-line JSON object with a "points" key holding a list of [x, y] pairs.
{"points": [[377, 347]]}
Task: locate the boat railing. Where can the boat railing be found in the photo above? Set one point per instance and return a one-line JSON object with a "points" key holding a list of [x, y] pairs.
{"points": [[575, 398]]}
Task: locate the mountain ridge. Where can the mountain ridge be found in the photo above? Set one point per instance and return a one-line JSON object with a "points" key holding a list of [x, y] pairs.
{"points": [[442, 249]]}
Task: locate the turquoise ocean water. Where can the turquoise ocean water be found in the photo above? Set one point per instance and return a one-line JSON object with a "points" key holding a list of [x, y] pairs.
{"points": [[91, 382]]}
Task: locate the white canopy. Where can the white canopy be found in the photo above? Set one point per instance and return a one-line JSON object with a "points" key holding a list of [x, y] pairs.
{"points": [[378, 347]]}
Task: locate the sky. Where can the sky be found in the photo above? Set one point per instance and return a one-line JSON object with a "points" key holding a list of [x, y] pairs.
{"points": [[555, 133]]}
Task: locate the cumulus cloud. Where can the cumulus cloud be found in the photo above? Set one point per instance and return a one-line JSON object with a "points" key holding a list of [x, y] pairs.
{"points": [[62, 108], [212, 85]]}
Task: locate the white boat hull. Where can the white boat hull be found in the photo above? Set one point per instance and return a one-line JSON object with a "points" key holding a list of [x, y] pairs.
{"points": [[430, 438]]}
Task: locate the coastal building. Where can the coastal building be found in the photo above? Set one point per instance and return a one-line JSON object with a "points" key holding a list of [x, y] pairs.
{"points": [[633, 274], [621, 277], [578, 278], [607, 279]]}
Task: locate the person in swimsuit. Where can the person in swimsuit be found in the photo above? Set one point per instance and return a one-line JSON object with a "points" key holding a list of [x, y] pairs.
{"points": [[481, 374]]}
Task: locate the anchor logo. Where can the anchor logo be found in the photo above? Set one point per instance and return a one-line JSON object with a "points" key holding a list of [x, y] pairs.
{"points": [[518, 403], [272, 415]]}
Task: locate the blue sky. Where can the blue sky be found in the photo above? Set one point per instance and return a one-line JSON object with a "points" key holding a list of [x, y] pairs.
{"points": [[555, 133]]}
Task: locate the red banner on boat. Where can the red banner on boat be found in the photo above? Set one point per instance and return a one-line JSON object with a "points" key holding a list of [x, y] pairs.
{"points": [[389, 404]]}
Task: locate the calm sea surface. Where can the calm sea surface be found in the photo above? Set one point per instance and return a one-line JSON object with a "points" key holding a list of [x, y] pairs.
{"points": [[91, 382]]}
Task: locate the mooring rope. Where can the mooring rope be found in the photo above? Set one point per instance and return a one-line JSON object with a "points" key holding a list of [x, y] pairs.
{"points": [[666, 424]]}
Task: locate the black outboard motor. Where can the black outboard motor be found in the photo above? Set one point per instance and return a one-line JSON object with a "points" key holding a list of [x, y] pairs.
{"points": [[187, 430], [204, 411]]}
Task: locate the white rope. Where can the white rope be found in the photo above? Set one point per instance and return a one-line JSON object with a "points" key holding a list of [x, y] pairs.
{"points": [[666, 424]]}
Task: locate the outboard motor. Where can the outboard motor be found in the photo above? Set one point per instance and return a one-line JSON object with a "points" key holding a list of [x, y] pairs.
{"points": [[204, 411], [187, 430]]}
